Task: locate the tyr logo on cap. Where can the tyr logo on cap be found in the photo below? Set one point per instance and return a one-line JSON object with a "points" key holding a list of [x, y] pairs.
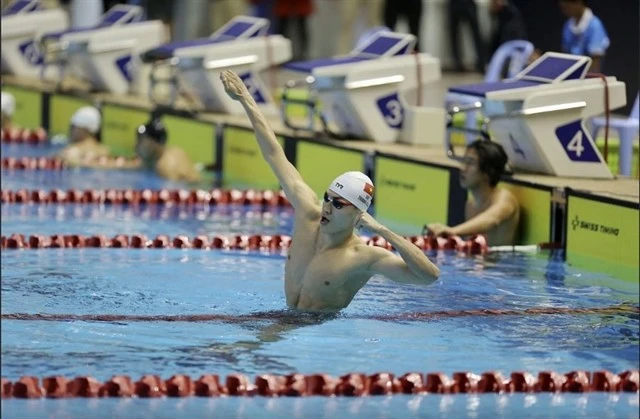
{"points": [[368, 189]]}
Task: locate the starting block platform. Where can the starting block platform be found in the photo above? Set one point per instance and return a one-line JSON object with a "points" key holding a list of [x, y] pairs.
{"points": [[540, 117], [106, 55], [23, 24], [242, 45], [363, 94]]}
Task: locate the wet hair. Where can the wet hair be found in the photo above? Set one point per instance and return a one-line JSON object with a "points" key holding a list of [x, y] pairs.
{"points": [[154, 129], [492, 159]]}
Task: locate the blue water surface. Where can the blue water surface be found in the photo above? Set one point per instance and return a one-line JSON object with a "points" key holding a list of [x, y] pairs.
{"points": [[249, 329]]}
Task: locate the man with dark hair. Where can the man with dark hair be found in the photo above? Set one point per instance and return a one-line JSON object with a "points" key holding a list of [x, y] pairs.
{"points": [[584, 34], [491, 211], [170, 162]]}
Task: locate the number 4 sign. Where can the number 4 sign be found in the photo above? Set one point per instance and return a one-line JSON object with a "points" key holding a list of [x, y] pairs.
{"points": [[576, 143]]}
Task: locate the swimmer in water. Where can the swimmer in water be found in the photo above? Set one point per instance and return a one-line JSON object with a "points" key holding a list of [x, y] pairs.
{"points": [[327, 262], [84, 136], [170, 162], [490, 210]]}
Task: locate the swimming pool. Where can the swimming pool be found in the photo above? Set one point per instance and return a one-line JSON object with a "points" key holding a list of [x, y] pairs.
{"points": [[106, 311]]}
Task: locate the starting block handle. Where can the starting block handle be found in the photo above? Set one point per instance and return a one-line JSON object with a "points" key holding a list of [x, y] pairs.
{"points": [[482, 132], [310, 103], [541, 110]]}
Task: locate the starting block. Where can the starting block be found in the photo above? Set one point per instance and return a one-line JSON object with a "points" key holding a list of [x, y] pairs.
{"points": [[107, 55], [541, 116], [243, 45], [23, 23], [363, 93]]}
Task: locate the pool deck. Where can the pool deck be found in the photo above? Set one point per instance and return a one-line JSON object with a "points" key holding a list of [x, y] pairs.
{"points": [[626, 189]]}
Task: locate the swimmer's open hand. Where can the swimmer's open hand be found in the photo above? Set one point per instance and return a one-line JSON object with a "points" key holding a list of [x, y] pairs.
{"points": [[233, 85], [438, 229], [366, 221]]}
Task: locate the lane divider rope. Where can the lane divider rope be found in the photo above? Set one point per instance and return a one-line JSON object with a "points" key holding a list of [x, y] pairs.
{"points": [[54, 163], [24, 136], [300, 385], [475, 245], [134, 197], [621, 309]]}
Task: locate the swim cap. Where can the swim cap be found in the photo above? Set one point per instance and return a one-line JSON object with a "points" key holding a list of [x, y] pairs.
{"points": [[155, 130], [355, 187], [8, 104], [88, 118]]}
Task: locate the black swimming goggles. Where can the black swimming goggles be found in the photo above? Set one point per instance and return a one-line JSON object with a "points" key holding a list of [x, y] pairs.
{"points": [[334, 201], [154, 130]]}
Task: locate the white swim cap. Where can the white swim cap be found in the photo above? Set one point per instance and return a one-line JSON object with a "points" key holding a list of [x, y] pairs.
{"points": [[8, 104], [355, 187], [87, 117]]}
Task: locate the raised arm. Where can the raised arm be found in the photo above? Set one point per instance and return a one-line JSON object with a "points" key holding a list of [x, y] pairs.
{"points": [[297, 191]]}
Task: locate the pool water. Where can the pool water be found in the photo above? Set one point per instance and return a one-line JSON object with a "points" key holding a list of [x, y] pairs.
{"points": [[250, 331]]}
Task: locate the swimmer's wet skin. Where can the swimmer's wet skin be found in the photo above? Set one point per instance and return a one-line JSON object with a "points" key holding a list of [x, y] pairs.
{"points": [[328, 263]]}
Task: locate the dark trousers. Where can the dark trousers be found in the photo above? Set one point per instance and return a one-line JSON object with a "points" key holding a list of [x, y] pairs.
{"points": [[283, 28], [459, 11], [409, 9]]}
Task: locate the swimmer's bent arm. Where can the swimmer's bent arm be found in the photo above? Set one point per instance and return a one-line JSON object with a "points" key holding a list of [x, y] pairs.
{"points": [[412, 267], [297, 191], [489, 219]]}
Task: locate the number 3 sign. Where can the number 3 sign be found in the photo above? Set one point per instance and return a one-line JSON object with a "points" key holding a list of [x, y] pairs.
{"points": [[392, 110]]}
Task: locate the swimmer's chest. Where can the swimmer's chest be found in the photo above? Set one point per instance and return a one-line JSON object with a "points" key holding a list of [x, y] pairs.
{"points": [[325, 270]]}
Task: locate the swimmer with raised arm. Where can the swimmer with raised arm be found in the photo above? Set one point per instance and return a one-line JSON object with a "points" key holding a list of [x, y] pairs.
{"points": [[327, 262]]}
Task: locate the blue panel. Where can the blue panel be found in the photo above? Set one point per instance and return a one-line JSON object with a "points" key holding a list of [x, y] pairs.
{"points": [[253, 87], [112, 17], [551, 68], [309, 66], [22, 6], [577, 74], [577, 143], [30, 51], [237, 29], [380, 45], [124, 65], [403, 50], [481, 89]]}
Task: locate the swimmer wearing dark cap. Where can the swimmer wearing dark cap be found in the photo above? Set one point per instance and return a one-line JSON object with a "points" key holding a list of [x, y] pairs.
{"points": [[170, 162]]}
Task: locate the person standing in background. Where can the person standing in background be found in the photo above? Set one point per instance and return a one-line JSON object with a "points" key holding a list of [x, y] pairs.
{"points": [[411, 10], [584, 34], [296, 12], [460, 10], [508, 24], [350, 11]]}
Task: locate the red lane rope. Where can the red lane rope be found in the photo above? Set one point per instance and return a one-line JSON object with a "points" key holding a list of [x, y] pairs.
{"points": [[474, 245], [271, 316], [300, 385], [54, 163], [273, 198], [24, 136]]}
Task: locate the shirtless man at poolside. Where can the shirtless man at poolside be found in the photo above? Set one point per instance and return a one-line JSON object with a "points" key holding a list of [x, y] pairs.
{"points": [[490, 210], [327, 262]]}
